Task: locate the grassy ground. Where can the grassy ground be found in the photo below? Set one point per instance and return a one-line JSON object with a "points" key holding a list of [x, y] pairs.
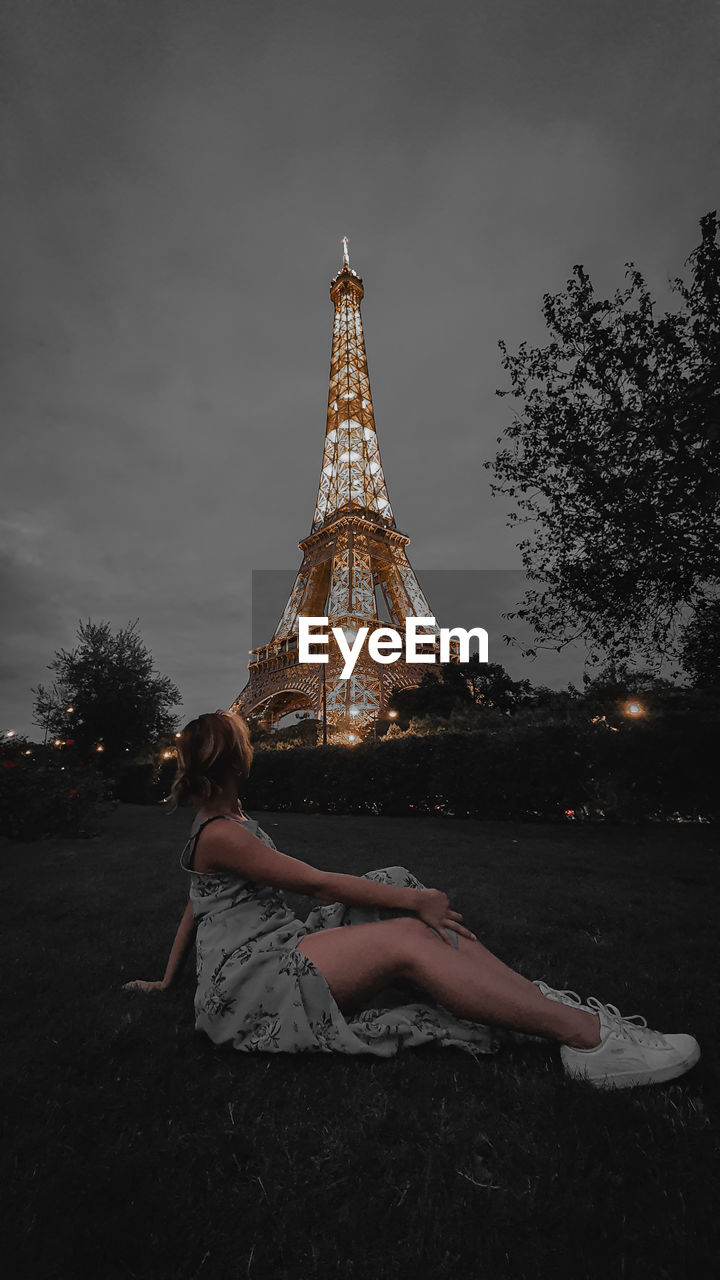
{"points": [[138, 1149]]}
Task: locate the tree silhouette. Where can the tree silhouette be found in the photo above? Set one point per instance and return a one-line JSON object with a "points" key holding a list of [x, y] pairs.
{"points": [[491, 686], [700, 648], [118, 701], [614, 460]]}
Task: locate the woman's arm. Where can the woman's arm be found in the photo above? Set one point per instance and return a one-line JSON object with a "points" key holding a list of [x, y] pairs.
{"points": [[356, 891], [432, 906], [227, 846], [178, 952]]}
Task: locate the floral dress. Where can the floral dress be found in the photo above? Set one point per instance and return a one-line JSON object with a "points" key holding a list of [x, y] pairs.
{"points": [[258, 993]]}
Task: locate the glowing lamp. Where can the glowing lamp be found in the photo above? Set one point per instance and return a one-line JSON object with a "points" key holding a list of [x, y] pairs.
{"points": [[392, 714]]}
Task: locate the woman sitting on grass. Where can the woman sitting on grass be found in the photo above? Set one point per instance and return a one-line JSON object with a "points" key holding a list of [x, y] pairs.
{"points": [[269, 982]]}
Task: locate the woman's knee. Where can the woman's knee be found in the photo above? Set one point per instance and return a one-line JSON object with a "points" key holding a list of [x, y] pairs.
{"points": [[412, 936]]}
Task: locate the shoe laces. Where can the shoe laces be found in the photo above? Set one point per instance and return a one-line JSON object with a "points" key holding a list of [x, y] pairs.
{"points": [[570, 997], [632, 1027]]}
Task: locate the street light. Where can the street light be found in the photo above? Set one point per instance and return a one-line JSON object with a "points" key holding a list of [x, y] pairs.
{"points": [[634, 709]]}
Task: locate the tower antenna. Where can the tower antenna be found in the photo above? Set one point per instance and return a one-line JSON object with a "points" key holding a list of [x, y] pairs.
{"points": [[346, 259]]}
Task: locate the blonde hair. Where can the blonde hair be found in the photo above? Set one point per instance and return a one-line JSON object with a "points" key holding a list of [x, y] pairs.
{"points": [[208, 749]]}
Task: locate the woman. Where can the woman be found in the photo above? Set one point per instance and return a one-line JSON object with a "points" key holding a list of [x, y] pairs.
{"points": [[270, 982]]}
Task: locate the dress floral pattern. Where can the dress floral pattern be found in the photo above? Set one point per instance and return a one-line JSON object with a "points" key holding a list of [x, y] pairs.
{"points": [[256, 992]]}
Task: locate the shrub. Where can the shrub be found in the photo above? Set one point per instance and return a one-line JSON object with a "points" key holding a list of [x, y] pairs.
{"points": [[514, 769], [143, 781], [41, 797]]}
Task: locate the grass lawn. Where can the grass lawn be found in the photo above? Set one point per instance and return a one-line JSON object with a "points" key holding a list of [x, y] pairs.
{"points": [[136, 1148]]}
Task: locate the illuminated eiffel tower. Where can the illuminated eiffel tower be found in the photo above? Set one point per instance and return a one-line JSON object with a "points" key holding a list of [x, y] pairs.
{"points": [[353, 551]]}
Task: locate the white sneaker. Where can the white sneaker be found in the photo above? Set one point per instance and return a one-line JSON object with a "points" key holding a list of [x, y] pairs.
{"points": [[561, 997], [629, 1053]]}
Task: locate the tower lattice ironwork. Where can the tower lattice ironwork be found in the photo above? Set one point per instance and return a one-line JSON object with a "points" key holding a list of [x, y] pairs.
{"points": [[353, 552]]}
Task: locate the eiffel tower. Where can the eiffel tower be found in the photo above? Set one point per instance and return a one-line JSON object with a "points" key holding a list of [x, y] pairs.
{"points": [[353, 551]]}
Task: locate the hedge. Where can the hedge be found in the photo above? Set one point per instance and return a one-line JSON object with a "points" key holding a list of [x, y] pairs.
{"points": [[650, 771]]}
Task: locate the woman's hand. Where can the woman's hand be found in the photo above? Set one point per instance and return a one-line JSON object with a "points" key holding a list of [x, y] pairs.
{"points": [[434, 910], [138, 985]]}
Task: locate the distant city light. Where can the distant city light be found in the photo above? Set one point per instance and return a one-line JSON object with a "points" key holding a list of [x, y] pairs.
{"points": [[634, 709], [100, 747], [392, 714], [10, 733], [68, 710], [57, 742], [167, 755]]}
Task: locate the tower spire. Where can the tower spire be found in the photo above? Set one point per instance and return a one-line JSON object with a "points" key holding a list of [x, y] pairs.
{"points": [[351, 475]]}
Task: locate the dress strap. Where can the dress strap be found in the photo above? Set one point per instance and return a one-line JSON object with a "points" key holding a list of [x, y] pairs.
{"points": [[193, 839]]}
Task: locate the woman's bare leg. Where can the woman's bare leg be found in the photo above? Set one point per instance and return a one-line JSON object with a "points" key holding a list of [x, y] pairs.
{"points": [[472, 983]]}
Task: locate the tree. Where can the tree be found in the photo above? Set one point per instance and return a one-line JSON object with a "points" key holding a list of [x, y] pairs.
{"points": [[621, 695], [491, 686], [461, 690], [700, 646], [614, 458], [436, 695], [118, 701]]}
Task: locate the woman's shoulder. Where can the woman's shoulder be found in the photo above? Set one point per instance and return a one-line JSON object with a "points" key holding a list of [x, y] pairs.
{"points": [[192, 856], [197, 855]]}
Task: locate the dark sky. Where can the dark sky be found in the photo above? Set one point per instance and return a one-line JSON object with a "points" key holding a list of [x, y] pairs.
{"points": [[176, 180]]}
